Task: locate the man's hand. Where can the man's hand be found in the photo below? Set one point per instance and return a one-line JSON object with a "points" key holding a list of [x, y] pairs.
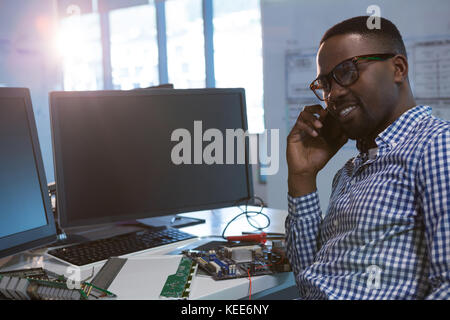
{"points": [[310, 147]]}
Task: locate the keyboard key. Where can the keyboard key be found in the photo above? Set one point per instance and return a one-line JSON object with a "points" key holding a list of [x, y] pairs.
{"points": [[98, 250]]}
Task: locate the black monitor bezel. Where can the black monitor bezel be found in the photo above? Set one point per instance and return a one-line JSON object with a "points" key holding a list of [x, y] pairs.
{"points": [[61, 196], [44, 235]]}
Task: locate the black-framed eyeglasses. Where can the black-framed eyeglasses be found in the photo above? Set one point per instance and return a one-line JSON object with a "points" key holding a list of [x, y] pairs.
{"points": [[345, 74]]}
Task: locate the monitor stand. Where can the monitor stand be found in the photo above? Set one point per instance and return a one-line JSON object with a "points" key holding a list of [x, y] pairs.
{"points": [[173, 221]]}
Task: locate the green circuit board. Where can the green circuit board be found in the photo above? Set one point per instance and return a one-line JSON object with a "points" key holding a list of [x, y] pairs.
{"points": [[177, 286], [38, 284]]}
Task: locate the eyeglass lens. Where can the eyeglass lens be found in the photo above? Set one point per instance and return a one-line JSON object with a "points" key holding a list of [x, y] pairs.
{"points": [[345, 74]]}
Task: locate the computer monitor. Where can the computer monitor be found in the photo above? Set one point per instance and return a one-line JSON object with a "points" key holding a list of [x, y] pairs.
{"points": [[113, 153], [25, 210]]}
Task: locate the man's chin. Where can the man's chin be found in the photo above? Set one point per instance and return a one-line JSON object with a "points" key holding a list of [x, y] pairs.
{"points": [[355, 133]]}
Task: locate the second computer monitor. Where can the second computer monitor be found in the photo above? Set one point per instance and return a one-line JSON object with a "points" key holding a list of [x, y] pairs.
{"points": [[122, 155], [26, 218]]}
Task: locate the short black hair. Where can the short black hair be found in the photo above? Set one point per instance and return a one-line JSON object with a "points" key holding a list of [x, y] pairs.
{"points": [[388, 35]]}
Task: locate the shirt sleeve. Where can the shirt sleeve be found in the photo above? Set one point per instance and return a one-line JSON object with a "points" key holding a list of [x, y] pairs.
{"points": [[302, 230], [434, 199], [302, 227]]}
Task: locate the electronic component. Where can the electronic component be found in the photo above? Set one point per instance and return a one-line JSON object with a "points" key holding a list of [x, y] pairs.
{"points": [[230, 261], [93, 168], [33, 273], [4, 281], [178, 285], [103, 249], [36, 284], [108, 272], [243, 253], [27, 221]]}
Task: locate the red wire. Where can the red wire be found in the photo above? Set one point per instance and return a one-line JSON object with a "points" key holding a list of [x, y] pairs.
{"points": [[250, 285]]}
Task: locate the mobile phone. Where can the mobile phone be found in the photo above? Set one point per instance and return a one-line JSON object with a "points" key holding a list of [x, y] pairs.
{"points": [[330, 130]]}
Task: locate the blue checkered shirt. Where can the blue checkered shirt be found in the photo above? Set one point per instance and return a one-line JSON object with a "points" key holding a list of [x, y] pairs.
{"points": [[386, 234]]}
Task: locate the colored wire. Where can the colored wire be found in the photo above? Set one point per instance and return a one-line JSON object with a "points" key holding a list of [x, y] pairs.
{"points": [[248, 215], [106, 292], [250, 285]]}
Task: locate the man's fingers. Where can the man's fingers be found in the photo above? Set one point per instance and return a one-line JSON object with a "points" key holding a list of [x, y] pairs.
{"points": [[311, 119], [308, 121], [300, 131], [303, 126], [316, 109], [314, 115]]}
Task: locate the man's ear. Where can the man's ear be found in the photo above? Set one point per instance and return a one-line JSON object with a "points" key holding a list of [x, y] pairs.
{"points": [[400, 68]]}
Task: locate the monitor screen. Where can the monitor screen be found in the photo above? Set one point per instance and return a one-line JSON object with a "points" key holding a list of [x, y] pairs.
{"points": [[122, 155], [26, 217]]}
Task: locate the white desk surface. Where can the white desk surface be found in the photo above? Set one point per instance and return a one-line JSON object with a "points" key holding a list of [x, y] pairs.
{"points": [[135, 281]]}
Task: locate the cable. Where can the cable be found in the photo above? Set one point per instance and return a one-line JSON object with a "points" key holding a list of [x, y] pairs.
{"points": [[247, 213], [250, 285]]}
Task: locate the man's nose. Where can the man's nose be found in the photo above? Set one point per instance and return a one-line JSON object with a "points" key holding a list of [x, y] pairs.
{"points": [[336, 90], [336, 93]]}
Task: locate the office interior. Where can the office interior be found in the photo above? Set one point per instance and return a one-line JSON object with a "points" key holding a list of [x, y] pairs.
{"points": [[93, 45]]}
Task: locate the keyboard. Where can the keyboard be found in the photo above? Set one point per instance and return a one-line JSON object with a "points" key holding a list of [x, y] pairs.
{"points": [[98, 250]]}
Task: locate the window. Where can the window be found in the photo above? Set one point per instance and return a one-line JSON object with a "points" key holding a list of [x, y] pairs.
{"points": [[134, 47], [185, 43], [238, 53], [79, 43], [134, 54]]}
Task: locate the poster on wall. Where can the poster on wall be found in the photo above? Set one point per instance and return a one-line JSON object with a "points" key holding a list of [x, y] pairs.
{"points": [[300, 72], [431, 76], [432, 69]]}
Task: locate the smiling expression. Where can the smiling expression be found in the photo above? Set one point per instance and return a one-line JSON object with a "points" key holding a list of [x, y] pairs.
{"points": [[369, 105]]}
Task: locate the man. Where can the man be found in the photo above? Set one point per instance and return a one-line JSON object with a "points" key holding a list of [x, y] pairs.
{"points": [[386, 234]]}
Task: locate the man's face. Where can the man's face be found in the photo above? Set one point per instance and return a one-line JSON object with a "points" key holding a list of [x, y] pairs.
{"points": [[374, 95]]}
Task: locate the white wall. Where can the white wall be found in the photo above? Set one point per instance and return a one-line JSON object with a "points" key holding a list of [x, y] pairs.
{"points": [[28, 59], [301, 23]]}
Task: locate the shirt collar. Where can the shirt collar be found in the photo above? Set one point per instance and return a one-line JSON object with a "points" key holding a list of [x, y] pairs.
{"points": [[400, 128]]}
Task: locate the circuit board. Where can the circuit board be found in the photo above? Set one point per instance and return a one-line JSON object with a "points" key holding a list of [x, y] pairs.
{"points": [[38, 284], [178, 285], [231, 260]]}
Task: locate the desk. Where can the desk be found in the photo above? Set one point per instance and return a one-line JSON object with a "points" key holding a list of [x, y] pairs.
{"points": [[205, 287]]}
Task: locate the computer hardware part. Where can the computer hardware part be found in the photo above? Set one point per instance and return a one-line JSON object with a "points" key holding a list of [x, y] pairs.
{"points": [[231, 261], [26, 213], [37, 284], [123, 169], [98, 250], [178, 285], [108, 272]]}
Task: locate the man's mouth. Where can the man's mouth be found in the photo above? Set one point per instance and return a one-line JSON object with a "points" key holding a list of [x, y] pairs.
{"points": [[344, 113]]}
